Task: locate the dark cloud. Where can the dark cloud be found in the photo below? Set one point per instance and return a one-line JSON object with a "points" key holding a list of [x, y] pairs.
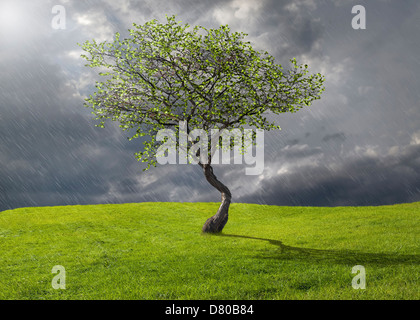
{"points": [[368, 180], [340, 137]]}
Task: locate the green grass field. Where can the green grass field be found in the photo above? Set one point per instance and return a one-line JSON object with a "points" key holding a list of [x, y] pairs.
{"points": [[157, 251]]}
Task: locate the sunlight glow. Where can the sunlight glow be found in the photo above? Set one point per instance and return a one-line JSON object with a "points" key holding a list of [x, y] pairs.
{"points": [[10, 15], [16, 22]]}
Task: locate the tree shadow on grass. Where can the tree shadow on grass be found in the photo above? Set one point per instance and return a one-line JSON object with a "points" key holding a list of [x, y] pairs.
{"points": [[285, 252]]}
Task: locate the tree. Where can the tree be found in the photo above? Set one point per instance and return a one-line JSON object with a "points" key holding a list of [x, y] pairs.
{"points": [[165, 75]]}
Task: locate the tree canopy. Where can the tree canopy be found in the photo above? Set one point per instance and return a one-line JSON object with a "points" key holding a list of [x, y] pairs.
{"points": [[162, 74]]}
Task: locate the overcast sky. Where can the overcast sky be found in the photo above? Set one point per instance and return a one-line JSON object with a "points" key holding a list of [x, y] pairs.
{"points": [[358, 145]]}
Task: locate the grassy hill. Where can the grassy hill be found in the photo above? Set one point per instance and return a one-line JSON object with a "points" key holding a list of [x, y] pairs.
{"points": [[157, 251]]}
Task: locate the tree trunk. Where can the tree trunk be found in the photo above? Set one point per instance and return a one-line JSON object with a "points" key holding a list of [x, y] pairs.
{"points": [[216, 223]]}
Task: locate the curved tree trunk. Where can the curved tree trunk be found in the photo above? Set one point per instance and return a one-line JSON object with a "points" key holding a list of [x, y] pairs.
{"points": [[218, 221]]}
